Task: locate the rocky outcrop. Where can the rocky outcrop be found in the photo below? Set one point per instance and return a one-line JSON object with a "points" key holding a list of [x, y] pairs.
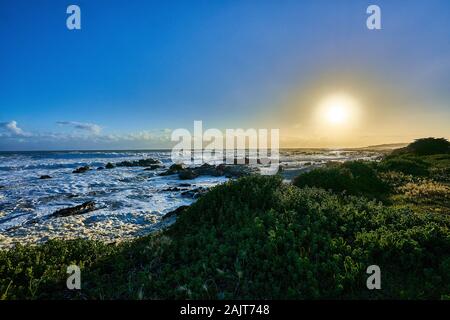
{"points": [[209, 170], [175, 168], [82, 208], [195, 193], [227, 170], [109, 165], [186, 192], [184, 185], [81, 169], [173, 189], [139, 163], [175, 213], [152, 167], [45, 177], [187, 174]]}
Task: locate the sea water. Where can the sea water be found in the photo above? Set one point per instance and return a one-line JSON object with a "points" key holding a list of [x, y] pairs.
{"points": [[130, 201]]}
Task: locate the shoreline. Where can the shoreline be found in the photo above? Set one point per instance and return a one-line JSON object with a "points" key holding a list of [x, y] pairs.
{"points": [[110, 226]]}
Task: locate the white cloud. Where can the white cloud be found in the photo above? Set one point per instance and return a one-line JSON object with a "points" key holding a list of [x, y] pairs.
{"points": [[12, 129], [85, 136], [90, 127]]}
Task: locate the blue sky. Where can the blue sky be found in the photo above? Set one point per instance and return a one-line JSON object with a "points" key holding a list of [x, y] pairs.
{"points": [[138, 69]]}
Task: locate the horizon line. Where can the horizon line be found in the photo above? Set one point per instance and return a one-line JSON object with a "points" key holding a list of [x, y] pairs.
{"points": [[169, 149]]}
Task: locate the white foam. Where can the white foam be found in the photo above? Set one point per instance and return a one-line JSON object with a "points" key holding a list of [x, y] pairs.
{"points": [[130, 201]]}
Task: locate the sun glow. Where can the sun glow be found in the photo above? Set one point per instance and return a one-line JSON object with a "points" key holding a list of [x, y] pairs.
{"points": [[337, 109]]}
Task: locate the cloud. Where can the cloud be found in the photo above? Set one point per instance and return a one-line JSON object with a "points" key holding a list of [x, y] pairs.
{"points": [[12, 129], [85, 136], [90, 127]]}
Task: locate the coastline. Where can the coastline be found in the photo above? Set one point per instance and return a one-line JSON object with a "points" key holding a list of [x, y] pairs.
{"points": [[131, 197]]}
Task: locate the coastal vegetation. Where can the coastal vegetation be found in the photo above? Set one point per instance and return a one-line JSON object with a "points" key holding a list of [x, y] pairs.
{"points": [[259, 238]]}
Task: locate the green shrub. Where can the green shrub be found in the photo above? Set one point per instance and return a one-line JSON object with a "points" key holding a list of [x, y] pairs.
{"points": [[353, 177], [39, 271], [248, 239], [258, 238], [405, 164], [427, 146]]}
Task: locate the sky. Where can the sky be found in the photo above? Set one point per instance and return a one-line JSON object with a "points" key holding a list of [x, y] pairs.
{"points": [[139, 69]]}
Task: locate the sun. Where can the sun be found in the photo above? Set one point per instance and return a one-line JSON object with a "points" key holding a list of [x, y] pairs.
{"points": [[337, 109], [336, 113]]}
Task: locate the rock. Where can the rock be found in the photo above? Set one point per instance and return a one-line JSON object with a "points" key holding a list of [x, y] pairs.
{"points": [[172, 189], [152, 167], [228, 170], [139, 163], [82, 208], [241, 161], [45, 177], [81, 169], [109, 165], [235, 171], [175, 212], [195, 193], [100, 168], [184, 185], [175, 168], [187, 174], [208, 170]]}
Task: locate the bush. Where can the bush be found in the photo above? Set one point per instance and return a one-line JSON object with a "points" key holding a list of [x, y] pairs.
{"points": [[427, 146], [40, 271], [353, 177], [405, 164], [249, 239], [257, 238]]}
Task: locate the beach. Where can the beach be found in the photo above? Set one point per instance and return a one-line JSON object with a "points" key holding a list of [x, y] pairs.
{"points": [[130, 200]]}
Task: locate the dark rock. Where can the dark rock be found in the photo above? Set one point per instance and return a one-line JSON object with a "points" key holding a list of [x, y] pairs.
{"points": [[45, 177], [246, 160], [81, 169], [109, 165], [195, 193], [152, 167], [228, 170], [184, 185], [208, 170], [172, 189], [175, 212], [82, 208], [235, 171], [175, 168], [138, 163], [187, 174]]}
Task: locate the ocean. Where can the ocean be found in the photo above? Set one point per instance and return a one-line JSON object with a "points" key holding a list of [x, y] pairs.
{"points": [[130, 201]]}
